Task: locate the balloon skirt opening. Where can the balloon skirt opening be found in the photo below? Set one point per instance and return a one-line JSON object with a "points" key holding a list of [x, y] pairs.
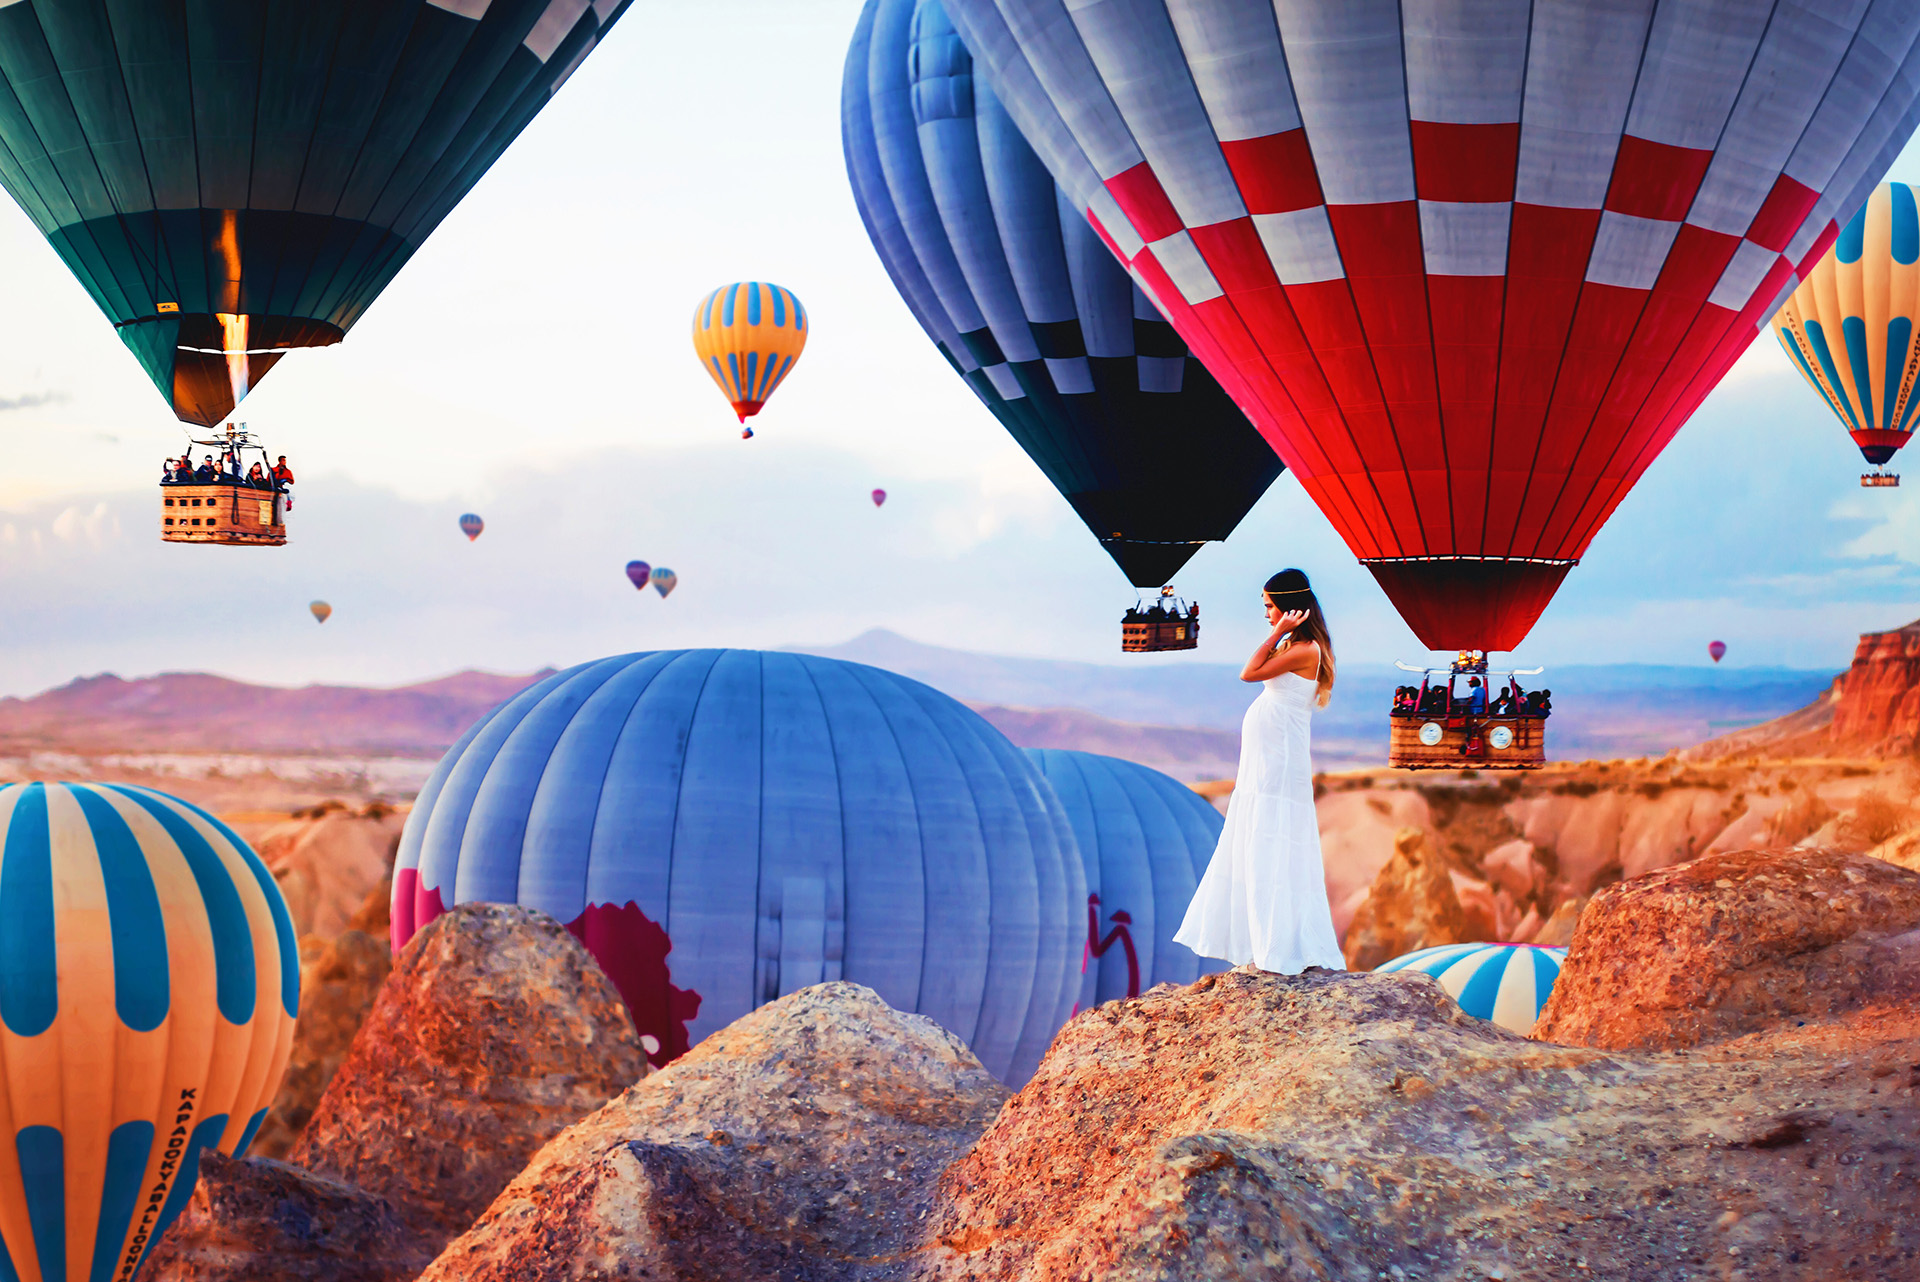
{"points": [[1469, 603], [1878, 445], [1149, 565], [747, 409]]}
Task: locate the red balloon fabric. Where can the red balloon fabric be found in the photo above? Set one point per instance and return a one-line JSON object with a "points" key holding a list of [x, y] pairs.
{"points": [[1467, 267], [1717, 650], [879, 497]]}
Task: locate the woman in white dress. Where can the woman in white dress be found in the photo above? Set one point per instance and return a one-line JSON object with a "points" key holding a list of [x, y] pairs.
{"points": [[1264, 897]]}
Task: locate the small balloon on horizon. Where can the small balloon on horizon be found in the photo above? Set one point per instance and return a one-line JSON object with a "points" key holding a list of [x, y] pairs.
{"points": [[879, 497], [639, 572], [321, 611], [471, 525], [664, 580], [1717, 650]]}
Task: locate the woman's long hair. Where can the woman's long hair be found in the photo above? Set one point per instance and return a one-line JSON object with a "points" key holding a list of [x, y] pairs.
{"points": [[1289, 590]]}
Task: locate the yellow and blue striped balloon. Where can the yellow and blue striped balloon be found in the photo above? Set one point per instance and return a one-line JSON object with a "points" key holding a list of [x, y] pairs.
{"points": [[1505, 983], [748, 335], [149, 981], [1849, 327]]}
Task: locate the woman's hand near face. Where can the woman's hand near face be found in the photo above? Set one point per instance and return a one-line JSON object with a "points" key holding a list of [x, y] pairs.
{"points": [[1288, 622]]}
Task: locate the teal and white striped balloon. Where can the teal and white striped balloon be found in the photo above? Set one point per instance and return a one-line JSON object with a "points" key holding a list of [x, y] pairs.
{"points": [[1505, 983]]}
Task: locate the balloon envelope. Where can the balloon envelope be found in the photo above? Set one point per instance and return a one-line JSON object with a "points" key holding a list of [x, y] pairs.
{"points": [[1467, 267], [879, 497], [320, 609], [1145, 839], [664, 579], [638, 573], [1030, 309], [748, 336], [471, 525], [723, 827], [1849, 327], [151, 980], [220, 219], [1506, 983], [1717, 650]]}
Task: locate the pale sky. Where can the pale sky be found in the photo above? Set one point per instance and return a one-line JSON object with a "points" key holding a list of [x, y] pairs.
{"points": [[532, 364]]}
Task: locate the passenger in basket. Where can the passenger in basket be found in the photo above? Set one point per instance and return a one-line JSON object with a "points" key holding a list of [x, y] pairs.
{"points": [[205, 473], [1476, 697], [283, 480], [257, 477]]}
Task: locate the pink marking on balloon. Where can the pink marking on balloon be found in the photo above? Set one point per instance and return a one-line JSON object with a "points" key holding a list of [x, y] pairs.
{"points": [[1122, 931], [632, 949], [412, 907]]}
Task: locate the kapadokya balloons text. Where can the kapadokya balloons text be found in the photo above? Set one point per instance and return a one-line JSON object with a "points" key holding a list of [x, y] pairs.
{"points": [[724, 827], [471, 525], [221, 218], [748, 336], [664, 580], [1849, 327], [1716, 650], [1145, 839], [1030, 309], [320, 610], [879, 497], [639, 573], [1468, 268], [150, 979]]}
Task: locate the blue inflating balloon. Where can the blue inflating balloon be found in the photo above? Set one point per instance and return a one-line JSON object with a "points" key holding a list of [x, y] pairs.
{"points": [[1145, 839], [1506, 983], [723, 827]]}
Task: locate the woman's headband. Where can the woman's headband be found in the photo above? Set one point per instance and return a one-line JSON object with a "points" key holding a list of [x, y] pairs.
{"points": [[1289, 592]]}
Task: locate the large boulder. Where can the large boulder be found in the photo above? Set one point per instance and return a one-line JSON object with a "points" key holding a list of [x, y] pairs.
{"points": [[1353, 1126], [1414, 904], [1737, 943], [495, 1031], [800, 1142]]}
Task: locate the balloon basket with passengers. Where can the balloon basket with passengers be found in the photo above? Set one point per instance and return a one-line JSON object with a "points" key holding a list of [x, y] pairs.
{"points": [[1169, 623], [1455, 718], [223, 500]]}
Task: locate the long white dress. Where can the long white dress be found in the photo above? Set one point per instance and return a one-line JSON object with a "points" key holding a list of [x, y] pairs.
{"points": [[1264, 896]]}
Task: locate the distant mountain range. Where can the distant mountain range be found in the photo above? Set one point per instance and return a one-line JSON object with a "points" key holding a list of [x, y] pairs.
{"points": [[1182, 718]]}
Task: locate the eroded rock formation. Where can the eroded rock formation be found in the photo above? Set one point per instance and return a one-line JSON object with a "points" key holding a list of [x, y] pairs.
{"points": [[1877, 703], [1737, 943], [327, 862], [800, 1142], [1413, 904], [494, 1032]]}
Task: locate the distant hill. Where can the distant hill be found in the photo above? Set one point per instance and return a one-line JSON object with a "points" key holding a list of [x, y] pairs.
{"points": [[193, 711]]}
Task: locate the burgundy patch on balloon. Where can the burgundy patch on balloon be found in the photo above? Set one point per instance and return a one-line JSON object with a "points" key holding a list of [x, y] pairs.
{"points": [[632, 949], [412, 908]]}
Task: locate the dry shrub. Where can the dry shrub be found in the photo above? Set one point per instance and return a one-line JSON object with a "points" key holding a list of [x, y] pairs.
{"points": [[1802, 818], [1875, 817]]}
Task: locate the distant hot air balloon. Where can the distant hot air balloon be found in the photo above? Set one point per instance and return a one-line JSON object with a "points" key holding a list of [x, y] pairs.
{"points": [[639, 572], [1507, 984], [664, 580], [220, 228], [725, 827], [1717, 650], [471, 525], [148, 990], [1030, 309], [747, 336], [1467, 267], [321, 610], [1849, 327], [879, 497]]}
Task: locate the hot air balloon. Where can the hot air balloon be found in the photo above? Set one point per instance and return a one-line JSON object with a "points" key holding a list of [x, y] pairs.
{"points": [[151, 980], [321, 610], [1506, 983], [1849, 326], [747, 336], [1717, 650], [222, 219], [471, 525], [879, 497], [1467, 267], [1012, 286], [664, 580], [638, 573], [723, 827], [1145, 839]]}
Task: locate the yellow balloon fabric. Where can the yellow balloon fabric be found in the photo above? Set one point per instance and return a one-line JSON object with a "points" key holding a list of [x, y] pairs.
{"points": [[1849, 327], [748, 335], [149, 981]]}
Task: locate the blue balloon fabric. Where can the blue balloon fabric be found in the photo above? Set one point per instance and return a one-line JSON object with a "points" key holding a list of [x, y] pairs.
{"points": [[1031, 309], [724, 827], [1145, 839], [1505, 983]]}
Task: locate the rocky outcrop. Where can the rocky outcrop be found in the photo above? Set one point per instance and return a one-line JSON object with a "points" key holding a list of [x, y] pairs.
{"points": [[326, 862], [1877, 703], [495, 1031], [801, 1142], [1412, 904], [1347, 1126], [1737, 943]]}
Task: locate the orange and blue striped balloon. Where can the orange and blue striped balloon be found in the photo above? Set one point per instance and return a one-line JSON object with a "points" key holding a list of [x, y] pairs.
{"points": [[1849, 326], [1507, 984], [748, 335], [149, 981]]}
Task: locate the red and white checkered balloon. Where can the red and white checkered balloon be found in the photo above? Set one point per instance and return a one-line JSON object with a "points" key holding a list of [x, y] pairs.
{"points": [[1467, 266]]}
